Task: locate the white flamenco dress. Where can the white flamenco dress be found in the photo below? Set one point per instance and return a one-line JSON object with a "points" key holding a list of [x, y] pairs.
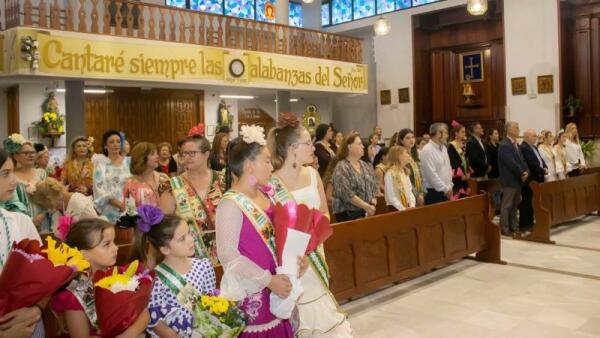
{"points": [[319, 312]]}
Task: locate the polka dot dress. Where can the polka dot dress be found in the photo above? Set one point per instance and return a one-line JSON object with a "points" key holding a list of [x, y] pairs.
{"points": [[165, 307]]}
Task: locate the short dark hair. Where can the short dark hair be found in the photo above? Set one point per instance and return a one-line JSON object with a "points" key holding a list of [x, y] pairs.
{"points": [[322, 131], [107, 134], [472, 126]]}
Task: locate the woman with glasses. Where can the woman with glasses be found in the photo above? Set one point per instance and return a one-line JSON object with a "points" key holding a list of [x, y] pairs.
{"points": [[24, 156], [195, 194], [110, 177]]}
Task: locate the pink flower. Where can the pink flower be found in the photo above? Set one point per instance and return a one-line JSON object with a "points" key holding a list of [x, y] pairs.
{"points": [[64, 224], [268, 190]]}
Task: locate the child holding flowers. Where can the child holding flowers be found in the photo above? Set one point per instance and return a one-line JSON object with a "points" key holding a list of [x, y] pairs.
{"points": [[95, 239], [181, 279]]}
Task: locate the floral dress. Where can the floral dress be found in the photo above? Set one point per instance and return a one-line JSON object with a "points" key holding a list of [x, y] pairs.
{"points": [[165, 307], [199, 214], [142, 193], [78, 174], [109, 180]]}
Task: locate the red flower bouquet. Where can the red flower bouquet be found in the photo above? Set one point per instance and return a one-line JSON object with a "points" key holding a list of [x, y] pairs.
{"points": [[31, 274], [121, 294]]}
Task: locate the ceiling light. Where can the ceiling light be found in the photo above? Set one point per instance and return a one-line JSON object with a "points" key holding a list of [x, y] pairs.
{"points": [[97, 91], [381, 26], [60, 90], [239, 97], [477, 7], [308, 1]]}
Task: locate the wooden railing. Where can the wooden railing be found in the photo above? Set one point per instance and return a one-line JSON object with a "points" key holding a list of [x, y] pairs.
{"points": [[154, 22]]}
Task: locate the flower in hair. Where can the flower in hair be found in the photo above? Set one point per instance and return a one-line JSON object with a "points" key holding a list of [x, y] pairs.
{"points": [[197, 130], [64, 225], [455, 124], [14, 143], [288, 120], [90, 144], [148, 216], [253, 134]]}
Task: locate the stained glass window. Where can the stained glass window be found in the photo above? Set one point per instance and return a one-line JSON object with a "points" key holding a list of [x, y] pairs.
{"points": [[402, 4], [240, 8], [295, 14], [341, 11], [325, 14], [176, 3], [385, 6], [363, 8], [260, 10], [208, 6], [422, 2]]}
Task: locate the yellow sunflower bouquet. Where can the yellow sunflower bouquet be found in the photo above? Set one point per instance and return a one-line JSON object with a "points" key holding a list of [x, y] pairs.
{"points": [[218, 317]]}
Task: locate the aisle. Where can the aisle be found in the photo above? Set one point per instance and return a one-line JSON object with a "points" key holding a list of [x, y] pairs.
{"points": [[544, 291]]}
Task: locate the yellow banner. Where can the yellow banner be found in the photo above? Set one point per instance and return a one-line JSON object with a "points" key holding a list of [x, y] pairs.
{"points": [[143, 60]]}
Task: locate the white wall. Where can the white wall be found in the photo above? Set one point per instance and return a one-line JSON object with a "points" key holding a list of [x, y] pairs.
{"points": [[211, 104], [32, 94], [532, 49]]}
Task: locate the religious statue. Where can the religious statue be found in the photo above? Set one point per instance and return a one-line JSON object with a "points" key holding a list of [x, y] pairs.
{"points": [[50, 104], [224, 117], [468, 91]]}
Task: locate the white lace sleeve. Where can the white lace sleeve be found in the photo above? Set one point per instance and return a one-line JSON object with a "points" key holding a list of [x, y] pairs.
{"points": [[239, 269]]}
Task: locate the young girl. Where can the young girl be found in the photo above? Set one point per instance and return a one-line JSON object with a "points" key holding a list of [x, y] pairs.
{"points": [[243, 227], [398, 189], [177, 271], [95, 239]]}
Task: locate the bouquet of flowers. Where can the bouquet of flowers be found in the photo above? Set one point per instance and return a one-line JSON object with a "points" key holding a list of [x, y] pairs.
{"points": [[51, 122], [217, 317], [121, 295], [298, 231], [32, 273]]}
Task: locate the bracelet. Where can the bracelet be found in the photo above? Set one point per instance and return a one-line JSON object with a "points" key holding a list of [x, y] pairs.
{"points": [[39, 307]]}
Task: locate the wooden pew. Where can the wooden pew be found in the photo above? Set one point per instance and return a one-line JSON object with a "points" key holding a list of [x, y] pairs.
{"points": [[490, 186], [559, 201], [368, 254]]}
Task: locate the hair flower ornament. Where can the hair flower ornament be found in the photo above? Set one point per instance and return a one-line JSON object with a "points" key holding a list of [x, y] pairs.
{"points": [[288, 120], [148, 216], [13, 143], [197, 130], [253, 134]]}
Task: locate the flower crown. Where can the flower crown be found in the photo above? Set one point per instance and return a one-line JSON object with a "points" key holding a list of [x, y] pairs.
{"points": [[253, 134], [14, 143], [197, 130], [288, 120]]}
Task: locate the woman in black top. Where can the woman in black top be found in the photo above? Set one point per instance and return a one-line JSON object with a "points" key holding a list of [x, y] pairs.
{"points": [[323, 150], [491, 147]]}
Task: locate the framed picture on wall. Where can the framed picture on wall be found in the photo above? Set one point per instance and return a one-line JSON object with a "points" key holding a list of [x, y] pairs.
{"points": [[518, 85], [385, 97], [545, 84], [403, 95], [471, 66]]}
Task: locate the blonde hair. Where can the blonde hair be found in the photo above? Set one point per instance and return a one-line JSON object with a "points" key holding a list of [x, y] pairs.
{"points": [[139, 157], [164, 144], [46, 191], [74, 142], [568, 131], [394, 156]]}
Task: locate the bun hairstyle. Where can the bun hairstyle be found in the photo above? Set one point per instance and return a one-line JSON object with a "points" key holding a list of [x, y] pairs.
{"points": [[107, 134], [456, 128], [245, 147], [282, 137]]}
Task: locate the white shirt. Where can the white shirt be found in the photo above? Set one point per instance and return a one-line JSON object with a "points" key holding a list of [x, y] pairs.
{"points": [[575, 157], [392, 198], [435, 167], [20, 227], [81, 206]]}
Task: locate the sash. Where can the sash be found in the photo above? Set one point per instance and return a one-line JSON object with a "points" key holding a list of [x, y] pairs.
{"points": [[399, 185], [83, 290], [283, 195], [185, 293], [416, 173], [257, 217]]}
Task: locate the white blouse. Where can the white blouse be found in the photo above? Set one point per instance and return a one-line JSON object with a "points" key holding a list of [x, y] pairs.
{"points": [[14, 227], [547, 154], [575, 157], [392, 196]]}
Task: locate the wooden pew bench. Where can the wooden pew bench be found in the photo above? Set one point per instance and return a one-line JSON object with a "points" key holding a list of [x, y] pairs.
{"points": [[367, 254], [559, 201], [490, 186]]}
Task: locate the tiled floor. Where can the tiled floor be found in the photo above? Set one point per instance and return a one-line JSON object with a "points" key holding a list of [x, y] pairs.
{"points": [[544, 291]]}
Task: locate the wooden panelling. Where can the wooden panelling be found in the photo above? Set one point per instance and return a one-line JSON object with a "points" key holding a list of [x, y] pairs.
{"points": [[367, 254], [12, 110], [159, 115], [438, 91]]}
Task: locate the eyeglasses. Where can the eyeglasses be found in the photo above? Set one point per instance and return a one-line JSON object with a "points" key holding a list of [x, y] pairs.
{"points": [[308, 143], [27, 153], [190, 153]]}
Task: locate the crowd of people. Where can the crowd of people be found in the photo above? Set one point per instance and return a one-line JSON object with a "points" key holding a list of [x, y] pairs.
{"points": [[215, 208]]}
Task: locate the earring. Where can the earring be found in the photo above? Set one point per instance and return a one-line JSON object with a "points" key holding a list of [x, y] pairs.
{"points": [[294, 165], [252, 180]]}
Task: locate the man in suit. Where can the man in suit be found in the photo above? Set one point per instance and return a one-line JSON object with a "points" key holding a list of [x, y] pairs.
{"points": [[513, 172], [476, 152], [537, 169]]}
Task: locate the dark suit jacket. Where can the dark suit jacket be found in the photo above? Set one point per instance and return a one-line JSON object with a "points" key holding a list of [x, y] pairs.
{"points": [[536, 172], [477, 157], [510, 164]]}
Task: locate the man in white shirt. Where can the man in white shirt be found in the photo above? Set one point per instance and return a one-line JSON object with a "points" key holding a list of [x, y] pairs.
{"points": [[435, 166]]}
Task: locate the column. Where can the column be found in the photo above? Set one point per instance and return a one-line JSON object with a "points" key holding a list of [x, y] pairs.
{"points": [[283, 104], [74, 109], [311, 15], [282, 12]]}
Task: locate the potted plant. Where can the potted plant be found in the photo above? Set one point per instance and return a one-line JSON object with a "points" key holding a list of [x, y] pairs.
{"points": [[587, 147], [572, 105]]}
